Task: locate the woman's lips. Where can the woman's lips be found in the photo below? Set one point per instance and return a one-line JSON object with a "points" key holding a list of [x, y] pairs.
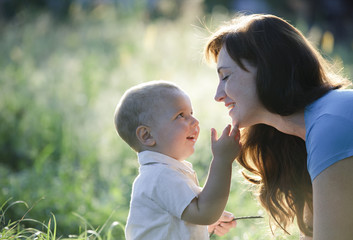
{"points": [[230, 106]]}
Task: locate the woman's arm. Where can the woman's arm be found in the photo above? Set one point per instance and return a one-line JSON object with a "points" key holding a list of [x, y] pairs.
{"points": [[333, 202]]}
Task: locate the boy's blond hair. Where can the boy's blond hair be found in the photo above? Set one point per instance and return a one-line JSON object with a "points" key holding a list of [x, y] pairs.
{"points": [[136, 107]]}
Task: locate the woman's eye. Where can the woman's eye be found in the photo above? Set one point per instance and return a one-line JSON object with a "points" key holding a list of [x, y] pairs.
{"points": [[225, 78], [180, 115]]}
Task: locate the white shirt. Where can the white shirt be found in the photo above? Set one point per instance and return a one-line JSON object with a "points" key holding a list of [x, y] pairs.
{"points": [[160, 194]]}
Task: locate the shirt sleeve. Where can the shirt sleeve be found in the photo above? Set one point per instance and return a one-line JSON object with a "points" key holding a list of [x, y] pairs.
{"points": [[173, 192], [329, 140]]}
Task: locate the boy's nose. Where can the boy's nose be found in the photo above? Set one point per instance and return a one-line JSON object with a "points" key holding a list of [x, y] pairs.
{"points": [[194, 121]]}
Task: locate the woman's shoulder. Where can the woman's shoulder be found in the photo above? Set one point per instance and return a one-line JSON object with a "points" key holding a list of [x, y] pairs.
{"points": [[338, 97], [340, 94], [335, 103], [328, 140]]}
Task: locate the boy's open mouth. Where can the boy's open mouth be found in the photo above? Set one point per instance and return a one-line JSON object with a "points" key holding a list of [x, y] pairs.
{"points": [[192, 137]]}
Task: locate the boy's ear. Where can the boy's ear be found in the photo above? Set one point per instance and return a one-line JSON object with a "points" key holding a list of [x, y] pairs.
{"points": [[143, 134]]}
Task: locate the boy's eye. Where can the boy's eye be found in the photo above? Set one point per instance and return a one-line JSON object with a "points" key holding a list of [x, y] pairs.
{"points": [[181, 115]]}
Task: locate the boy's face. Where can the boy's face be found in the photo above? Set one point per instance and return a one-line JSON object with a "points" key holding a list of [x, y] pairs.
{"points": [[175, 129]]}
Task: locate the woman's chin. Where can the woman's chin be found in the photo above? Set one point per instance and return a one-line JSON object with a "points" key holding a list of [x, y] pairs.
{"points": [[235, 123]]}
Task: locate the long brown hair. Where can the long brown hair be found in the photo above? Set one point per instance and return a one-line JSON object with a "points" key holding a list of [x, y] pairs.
{"points": [[290, 75]]}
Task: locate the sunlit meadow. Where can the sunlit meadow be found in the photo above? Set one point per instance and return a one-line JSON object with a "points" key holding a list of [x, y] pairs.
{"points": [[60, 83]]}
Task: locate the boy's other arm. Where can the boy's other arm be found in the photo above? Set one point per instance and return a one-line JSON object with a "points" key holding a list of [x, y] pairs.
{"points": [[207, 208], [223, 225]]}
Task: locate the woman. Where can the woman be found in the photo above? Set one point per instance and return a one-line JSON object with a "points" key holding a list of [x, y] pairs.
{"points": [[297, 141]]}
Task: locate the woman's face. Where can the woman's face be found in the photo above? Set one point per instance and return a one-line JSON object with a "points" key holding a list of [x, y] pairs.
{"points": [[237, 89]]}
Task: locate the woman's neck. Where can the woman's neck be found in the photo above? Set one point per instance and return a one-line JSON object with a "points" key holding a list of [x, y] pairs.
{"points": [[293, 124]]}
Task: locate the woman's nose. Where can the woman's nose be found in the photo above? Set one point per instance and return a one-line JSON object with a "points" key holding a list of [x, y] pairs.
{"points": [[220, 94]]}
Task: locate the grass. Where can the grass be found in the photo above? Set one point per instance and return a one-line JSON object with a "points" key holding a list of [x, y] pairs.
{"points": [[68, 173], [19, 229], [13, 229]]}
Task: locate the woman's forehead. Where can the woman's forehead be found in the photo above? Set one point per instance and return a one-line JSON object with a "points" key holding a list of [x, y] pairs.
{"points": [[223, 58]]}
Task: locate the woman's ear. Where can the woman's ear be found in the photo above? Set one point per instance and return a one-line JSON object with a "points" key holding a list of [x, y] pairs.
{"points": [[143, 134]]}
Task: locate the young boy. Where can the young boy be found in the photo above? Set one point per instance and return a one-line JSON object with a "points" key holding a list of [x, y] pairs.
{"points": [[156, 120]]}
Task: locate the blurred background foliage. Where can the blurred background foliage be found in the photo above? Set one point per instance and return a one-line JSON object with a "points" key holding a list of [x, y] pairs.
{"points": [[64, 66]]}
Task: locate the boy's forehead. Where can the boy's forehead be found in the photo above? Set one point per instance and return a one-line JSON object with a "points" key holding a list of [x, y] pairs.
{"points": [[160, 98], [176, 94], [176, 99], [164, 97], [169, 94]]}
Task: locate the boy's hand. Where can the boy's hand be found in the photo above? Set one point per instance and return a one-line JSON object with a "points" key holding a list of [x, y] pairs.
{"points": [[227, 146], [223, 225]]}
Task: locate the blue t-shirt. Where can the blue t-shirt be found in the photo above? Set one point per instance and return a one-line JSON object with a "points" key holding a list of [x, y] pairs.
{"points": [[329, 130]]}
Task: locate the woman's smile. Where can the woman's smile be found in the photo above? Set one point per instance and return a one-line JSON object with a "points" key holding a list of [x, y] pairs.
{"points": [[238, 90], [230, 106]]}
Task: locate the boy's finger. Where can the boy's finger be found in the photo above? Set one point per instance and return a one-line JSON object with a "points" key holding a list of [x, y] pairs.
{"points": [[234, 131], [213, 134], [227, 216], [226, 130]]}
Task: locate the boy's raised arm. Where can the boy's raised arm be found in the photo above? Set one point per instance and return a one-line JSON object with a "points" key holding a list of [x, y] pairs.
{"points": [[209, 205]]}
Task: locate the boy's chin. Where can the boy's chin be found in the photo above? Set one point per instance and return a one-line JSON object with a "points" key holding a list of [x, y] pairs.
{"points": [[186, 156]]}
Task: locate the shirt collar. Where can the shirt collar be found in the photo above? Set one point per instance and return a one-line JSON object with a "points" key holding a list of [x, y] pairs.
{"points": [[150, 157]]}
